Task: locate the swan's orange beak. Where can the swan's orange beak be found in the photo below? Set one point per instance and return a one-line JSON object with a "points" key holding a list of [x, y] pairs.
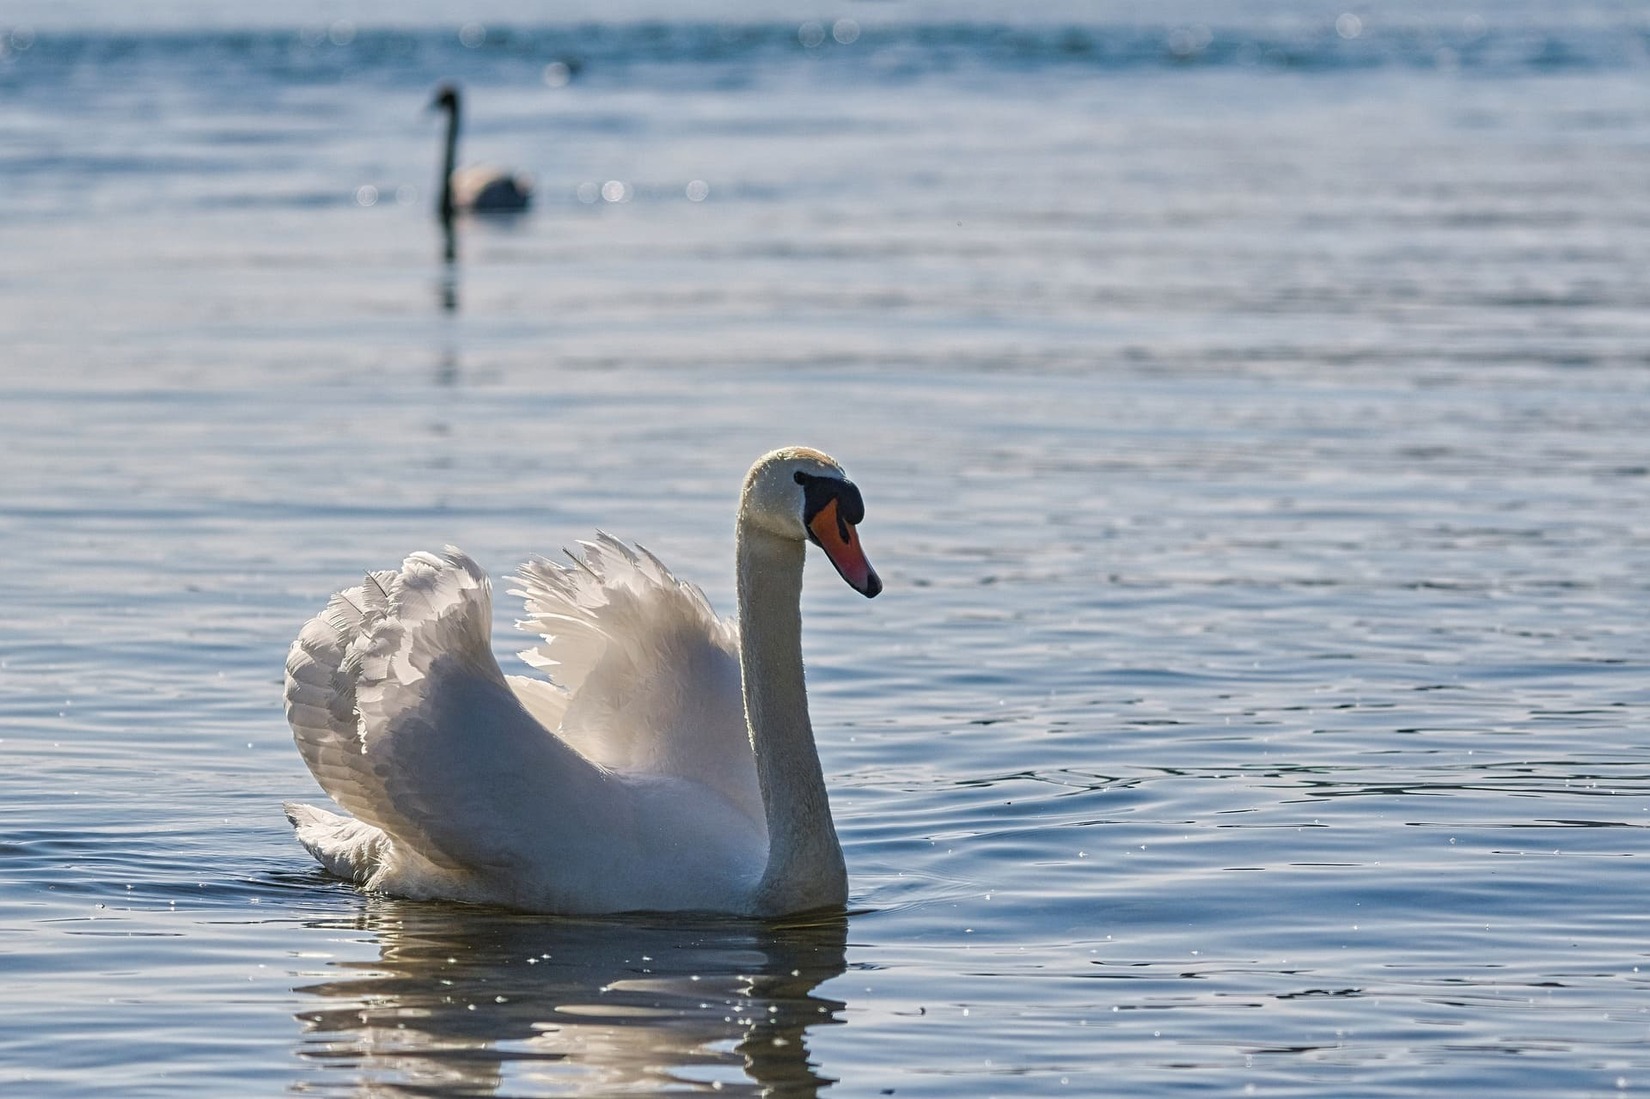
{"points": [[837, 537]]}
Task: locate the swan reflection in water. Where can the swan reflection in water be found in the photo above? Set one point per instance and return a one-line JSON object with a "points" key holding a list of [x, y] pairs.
{"points": [[478, 1001]]}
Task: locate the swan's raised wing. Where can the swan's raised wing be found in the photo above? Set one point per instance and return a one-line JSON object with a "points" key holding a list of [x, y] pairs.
{"points": [[402, 714], [321, 668], [644, 675]]}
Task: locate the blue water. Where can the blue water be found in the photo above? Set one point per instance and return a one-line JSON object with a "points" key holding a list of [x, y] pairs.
{"points": [[1250, 406]]}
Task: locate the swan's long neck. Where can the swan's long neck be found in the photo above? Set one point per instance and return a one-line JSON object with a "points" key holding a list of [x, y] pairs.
{"points": [[449, 162], [805, 867]]}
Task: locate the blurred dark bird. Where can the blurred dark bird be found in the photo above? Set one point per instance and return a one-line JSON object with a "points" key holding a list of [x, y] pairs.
{"points": [[477, 189]]}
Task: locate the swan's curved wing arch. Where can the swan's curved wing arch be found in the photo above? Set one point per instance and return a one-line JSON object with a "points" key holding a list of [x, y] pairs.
{"points": [[404, 717], [644, 675], [321, 670]]}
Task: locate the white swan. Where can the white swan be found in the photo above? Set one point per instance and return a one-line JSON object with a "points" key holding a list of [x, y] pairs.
{"points": [[477, 189], [642, 778]]}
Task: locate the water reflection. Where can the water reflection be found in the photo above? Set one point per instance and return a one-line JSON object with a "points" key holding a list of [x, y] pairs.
{"points": [[448, 368], [448, 283], [476, 1001]]}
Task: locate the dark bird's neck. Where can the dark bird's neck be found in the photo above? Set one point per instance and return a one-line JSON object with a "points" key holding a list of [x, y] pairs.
{"points": [[449, 162]]}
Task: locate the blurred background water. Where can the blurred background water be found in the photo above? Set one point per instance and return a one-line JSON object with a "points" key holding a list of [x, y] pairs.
{"points": [[1250, 402]]}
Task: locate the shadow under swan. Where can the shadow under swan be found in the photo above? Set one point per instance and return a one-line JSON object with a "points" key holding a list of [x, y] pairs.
{"points": [[476, 1001]]}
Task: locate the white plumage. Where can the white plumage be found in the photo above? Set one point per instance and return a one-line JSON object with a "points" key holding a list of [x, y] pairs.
{"points": [[632, 778]]}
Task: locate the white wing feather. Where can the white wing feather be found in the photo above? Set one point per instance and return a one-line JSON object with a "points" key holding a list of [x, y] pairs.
{"points": [[644, 675], [458, 786], [321, 671], [402, 714]]}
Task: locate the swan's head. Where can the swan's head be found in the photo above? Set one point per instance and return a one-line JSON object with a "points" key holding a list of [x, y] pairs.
{"points": [[804, 495], [445, 98]]}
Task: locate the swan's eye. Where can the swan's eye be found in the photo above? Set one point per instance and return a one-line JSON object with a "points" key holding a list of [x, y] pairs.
{"points": [[819, 491]]}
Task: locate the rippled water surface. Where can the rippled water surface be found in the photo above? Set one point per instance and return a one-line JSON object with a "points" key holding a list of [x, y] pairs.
{"points": [[1251, 411]]}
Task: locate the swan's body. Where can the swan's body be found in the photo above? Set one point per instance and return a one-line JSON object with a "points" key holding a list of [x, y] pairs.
{"points": [[477, 189], [670, 765]]}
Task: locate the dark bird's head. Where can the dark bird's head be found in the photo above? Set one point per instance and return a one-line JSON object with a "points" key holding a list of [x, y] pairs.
{"points": [[445, 98]]}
